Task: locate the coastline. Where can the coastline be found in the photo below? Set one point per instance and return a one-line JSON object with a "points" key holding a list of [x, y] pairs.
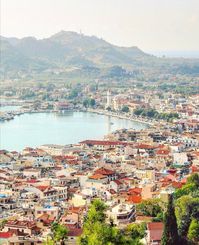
{"points": [[112, 114], [9, 115], [6, 116]]}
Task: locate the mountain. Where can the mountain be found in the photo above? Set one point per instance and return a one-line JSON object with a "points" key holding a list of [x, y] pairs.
{"points": [[70, 52], [63, 49]]}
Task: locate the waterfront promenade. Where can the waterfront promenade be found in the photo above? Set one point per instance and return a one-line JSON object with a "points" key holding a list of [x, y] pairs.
{"points": [[150, 122]]}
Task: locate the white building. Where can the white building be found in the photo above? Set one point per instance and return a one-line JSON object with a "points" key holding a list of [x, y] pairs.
{"points": [[108, 99], [180, 158], [122, 213]]}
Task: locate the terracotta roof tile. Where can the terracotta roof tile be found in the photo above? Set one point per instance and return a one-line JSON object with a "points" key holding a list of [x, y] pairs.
{"points": [[155, 230], [134, 199], [97, 176], [104, 171], [4, 235]]}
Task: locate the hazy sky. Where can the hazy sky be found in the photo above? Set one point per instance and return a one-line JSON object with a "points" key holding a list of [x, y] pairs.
{"points": [[148, 24]]}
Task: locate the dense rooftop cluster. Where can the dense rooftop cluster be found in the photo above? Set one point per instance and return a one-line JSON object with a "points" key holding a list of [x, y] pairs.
{"points": [[130, 171]]}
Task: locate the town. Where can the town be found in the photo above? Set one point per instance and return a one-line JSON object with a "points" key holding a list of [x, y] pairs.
{"points": [[133, 173], [99, 122]]}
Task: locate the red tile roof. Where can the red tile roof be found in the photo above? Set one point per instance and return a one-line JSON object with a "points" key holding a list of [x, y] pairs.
{"points": [[176, 185], [170, 177], [118, 182], [134, 199], [112, 191], [97, 176], [46, 218], [155, 230], [19, 223], [4, 235], [75, 232], [135, 190], [184, 181], [32, 181], [104, 171], [145, 146], [162, 152], [42, 187], [195, 169], [76, 210]]}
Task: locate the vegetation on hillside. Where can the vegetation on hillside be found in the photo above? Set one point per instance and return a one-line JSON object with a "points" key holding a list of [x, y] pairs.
{"points": [[153, 208], [170, 234], [97, 231], [58, 234], [73, 55], [187, 209], [180, 217]]}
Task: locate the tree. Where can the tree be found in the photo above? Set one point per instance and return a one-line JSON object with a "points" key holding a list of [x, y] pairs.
{"points": [[92, 102], [59, 232], [136, 231], [182, 212], [2, 223], [96, 231], [96, 211], [159, 217], [185, 190], [193, 233], [85, 103], [48, 241], [151, 207], [125, 109], [170, 233], [73, 94], [186, 209], [187, 204], [194, 179], [50, 87]]}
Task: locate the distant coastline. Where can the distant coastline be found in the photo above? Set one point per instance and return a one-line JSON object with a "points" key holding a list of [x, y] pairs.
{"points": [[192, 54]]}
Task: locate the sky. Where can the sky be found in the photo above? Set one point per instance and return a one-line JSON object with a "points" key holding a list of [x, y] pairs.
{"points": [[148, 24]]}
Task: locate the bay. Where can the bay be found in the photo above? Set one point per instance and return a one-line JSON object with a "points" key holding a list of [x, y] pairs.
{"points": [[35, 129], [9, 108]]}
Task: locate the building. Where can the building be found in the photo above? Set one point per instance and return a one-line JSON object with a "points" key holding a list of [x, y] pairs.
{"points": [[154, 233], [24, 227], [122, 213], [108, 99], [49, 210]]}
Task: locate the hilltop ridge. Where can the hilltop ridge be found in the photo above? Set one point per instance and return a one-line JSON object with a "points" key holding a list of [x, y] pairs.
{"points": [[90, 54]]}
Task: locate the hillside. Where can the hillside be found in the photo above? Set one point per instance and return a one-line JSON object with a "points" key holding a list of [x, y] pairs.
{"points": [[64, 50]]}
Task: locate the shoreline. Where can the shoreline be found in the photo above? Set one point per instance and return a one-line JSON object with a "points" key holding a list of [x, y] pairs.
{"points": [[35, 143], [112, 114], [10, 115]]}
